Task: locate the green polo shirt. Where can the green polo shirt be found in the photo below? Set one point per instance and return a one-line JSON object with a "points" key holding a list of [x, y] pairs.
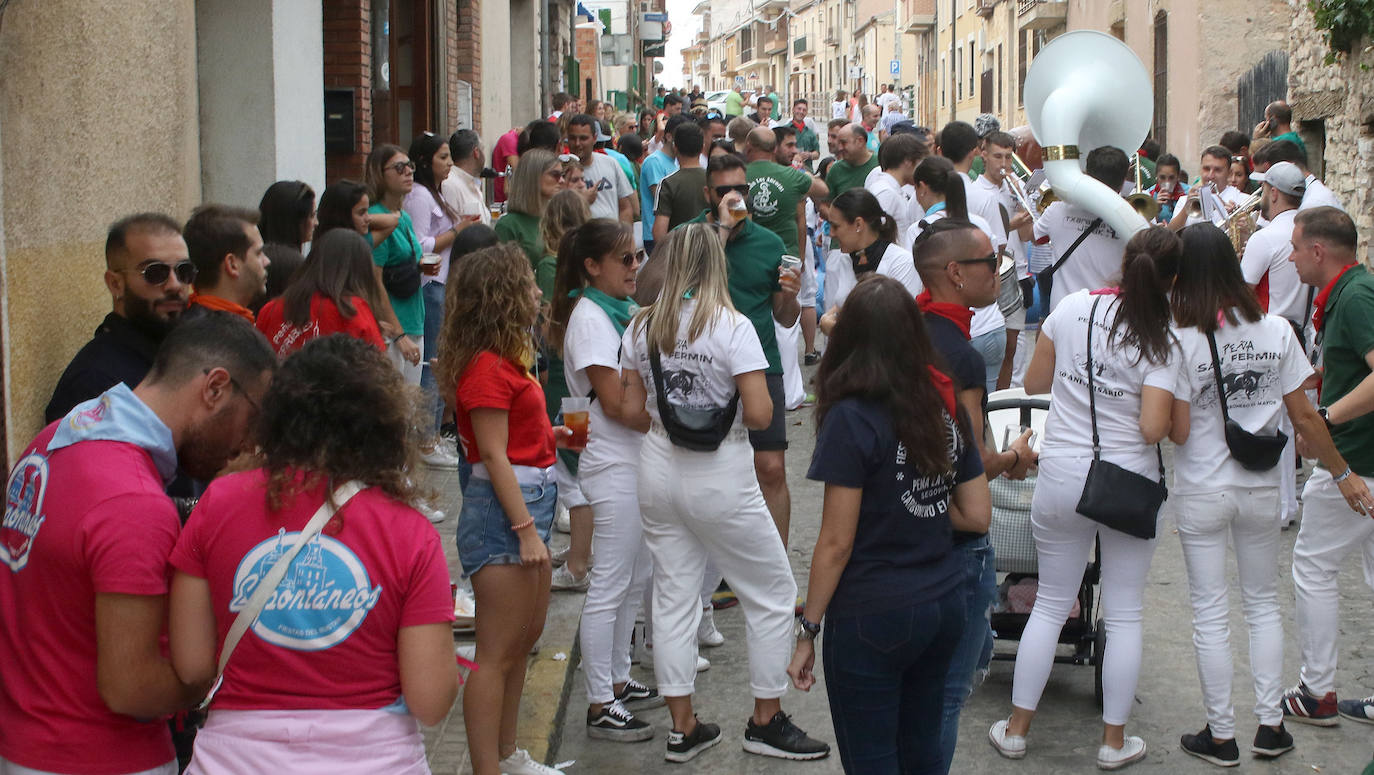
{"points": [[843, 176], [775, 191], [753, 256], [400, 247], [1347, 336], [523, 230], [1292, 137]]}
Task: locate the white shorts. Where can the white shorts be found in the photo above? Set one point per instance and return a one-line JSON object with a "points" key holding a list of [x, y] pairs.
{"points": [[806, 297]]}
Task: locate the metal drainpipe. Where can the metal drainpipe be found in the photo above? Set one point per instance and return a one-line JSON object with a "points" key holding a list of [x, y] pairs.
{"points": [[545, 51]]}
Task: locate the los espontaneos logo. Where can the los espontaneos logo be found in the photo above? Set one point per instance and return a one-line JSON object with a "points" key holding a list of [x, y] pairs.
{"points": [[322, 599], [24, 492]]}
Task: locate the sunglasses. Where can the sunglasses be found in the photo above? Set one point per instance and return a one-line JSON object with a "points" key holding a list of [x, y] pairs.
{"points": [[742, 188], [556, 173], [402, 167], [630, 259], [990, 259], [567, 157], [158, 272]]}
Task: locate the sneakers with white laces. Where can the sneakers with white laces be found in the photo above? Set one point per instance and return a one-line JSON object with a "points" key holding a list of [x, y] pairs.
{"points": [[617, 724], [1357, 710], [1010, 746], [565, 581], [521, 763], [707, 634], [1132, 750], [435, 516]]}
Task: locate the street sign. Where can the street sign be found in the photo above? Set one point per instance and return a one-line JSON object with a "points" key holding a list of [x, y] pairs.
{"points": [[739, 81], [895, 67]]}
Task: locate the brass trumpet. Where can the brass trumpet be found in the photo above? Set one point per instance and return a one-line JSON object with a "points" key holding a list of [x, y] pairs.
{"points": [[1022, 173], [1238, 225], [1140, 201]]}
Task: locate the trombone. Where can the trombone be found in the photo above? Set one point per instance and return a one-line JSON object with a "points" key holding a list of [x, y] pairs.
{"points": [[1017, 180], [1140, 201]]}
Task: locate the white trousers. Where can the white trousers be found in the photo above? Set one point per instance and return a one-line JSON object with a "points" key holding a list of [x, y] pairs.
{"points": [[618, 577], [1288, 473], [697, 504], [1329, 531], [409, 372], [1249, 518], [1064, 545]]}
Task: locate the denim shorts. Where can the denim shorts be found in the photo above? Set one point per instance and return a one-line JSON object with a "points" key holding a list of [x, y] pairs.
{"points": [[484, 534]]}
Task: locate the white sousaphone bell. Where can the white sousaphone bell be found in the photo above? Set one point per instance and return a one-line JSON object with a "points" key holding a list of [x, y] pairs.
{"points": [[1086, 89]]}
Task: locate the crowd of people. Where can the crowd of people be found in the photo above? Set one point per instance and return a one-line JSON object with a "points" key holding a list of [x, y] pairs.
{"points": [[613, 340]]}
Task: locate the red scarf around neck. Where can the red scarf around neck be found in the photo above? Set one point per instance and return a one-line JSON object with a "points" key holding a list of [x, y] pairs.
{"points": [[1319, 301], [960, 315]]}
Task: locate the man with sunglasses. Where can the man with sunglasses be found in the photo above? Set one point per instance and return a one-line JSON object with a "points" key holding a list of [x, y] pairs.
{"points": [[231, 269], [149, 277]]}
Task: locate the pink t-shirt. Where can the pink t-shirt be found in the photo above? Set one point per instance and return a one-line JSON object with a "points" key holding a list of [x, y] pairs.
{"points": [[327, 639], [84, 519]]}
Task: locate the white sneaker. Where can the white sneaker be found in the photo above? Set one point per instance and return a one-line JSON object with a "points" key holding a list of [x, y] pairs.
{"points": [[1010, 746], [703, 664], [1131, 750], [440, 458], [520, 763], [562, 520], [560, 557], [432, 514], [565, 581], [707, 634]]}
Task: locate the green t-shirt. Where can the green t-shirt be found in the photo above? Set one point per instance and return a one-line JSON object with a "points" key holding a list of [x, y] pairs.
{"points": [[1347, 336], [401, 246], [1292, 137], [844, 176], [523, 229], [753, 257], [544, 275], [734, 104], [681, 196], [775, 191]]}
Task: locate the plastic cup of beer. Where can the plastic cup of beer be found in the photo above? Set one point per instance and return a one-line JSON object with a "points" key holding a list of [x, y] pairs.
{"points": [[791, 263], [495, 211], [429, 263], [576, 414], [739, 209]]}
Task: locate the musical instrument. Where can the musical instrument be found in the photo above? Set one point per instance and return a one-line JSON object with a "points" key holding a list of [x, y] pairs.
{"points": [[1086, 89], [1239, 226], [1042, 197], [1140, 201]]}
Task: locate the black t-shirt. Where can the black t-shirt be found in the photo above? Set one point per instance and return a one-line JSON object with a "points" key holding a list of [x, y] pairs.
{"points": [[902, 545], [964, 365], [119, 352]]}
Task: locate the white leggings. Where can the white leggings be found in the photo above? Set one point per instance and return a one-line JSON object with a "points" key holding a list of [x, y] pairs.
{"points": [[1249, 518], [1064, 544], [697, 504], [618, 577]]}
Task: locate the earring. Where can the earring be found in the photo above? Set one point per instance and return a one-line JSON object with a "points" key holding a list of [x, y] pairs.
{"points": [[960, 286]]}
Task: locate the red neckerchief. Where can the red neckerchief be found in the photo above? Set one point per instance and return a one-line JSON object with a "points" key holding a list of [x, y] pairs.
{"points": [[222, 305], [800, 126], [1319, 302], [945, 387], [959, 315]]}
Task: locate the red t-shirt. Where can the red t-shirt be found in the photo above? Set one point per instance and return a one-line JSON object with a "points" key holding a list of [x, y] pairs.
{"points": [[506, 146], [84, 519], [327, 639], [325, 319], [492, 382]]}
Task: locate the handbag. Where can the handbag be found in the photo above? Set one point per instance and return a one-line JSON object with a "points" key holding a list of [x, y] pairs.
{"points": [[267, 586], [701, 430], [1113, 496], [1046, 277], [1253, 451], [401, 280]]}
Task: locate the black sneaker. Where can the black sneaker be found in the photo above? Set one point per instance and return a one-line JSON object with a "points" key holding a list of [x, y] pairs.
{"points": [[684, 748], [639, 697], [616, 723], [1271, 743], [782, 739], [812, 358], [1357, 710], [1205, 747]]}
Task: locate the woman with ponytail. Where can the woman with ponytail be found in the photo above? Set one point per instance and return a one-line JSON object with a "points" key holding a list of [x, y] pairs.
{"points": [[866, 240], [1135, 361]]}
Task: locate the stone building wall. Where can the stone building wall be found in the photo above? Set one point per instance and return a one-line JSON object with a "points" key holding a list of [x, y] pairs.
{"points": [[1341, 97]]}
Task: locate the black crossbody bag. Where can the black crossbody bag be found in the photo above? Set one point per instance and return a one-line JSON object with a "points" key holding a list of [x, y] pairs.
{"points": [[1253, 451], [701, 430], [1046, 277], [1113, 496]]}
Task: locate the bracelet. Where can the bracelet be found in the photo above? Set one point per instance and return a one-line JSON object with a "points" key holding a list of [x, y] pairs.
{"points": [[522, 525], [1342, 477], [398, 338], [1018, 457]]}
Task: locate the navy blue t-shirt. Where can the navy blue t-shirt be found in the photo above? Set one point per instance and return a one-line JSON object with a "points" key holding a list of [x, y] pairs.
{"points": [[902, 545], [965, 365]]}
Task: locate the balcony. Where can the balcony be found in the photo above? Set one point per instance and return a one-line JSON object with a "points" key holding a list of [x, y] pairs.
{"points": [[702, 66], [775, 44], [984, 8], [1041, 14], [832, 38], [800, 48]]}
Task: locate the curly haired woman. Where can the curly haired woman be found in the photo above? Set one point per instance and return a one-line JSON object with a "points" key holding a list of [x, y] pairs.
{"points": [[485, 351]]}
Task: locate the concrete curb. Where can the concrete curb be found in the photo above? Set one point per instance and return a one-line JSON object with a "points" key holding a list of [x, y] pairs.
{"points": [[548, 680]]}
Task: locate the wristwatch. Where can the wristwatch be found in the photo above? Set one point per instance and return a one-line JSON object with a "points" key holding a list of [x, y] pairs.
{"points": [[1322, 411], [807, 630]]}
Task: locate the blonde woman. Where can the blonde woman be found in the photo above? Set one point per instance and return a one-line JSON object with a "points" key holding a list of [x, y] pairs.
{"points": [[508, 504], [696, 504], [566, 211], [530, 187], [573, 180]]}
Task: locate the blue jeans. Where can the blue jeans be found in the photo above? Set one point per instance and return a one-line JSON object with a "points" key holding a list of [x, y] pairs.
{"points": [[434, 318], [993, 347], [974, 651], [884, 673]]}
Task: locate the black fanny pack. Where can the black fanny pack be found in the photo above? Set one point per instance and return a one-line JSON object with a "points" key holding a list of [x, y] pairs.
{"points": [[701, 430], [401, 280], [1253, 451]]}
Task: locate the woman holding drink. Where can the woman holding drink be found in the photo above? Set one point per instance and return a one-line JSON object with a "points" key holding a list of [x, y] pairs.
{"points": [[508, 503], [597, 264]]}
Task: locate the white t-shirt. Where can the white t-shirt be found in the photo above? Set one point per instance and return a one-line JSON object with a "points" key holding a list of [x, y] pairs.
{"points": [[1119, 375], [699, 374], [1266, 254], [887, 98], [895, 263], [891, 195], [839, 110], [985, 319], [1260, 364], [1003, 196], [605, 175], [1095, 264], [1318, 195], [591, 340]]}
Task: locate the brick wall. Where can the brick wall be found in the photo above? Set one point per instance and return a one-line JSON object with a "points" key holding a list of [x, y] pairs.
{"points": [[348, 64], [467, 60], [586, 44]]}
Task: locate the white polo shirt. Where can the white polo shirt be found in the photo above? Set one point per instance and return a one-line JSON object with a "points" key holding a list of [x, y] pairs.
{"points": [[1266, 256], [892, 196], [1318, 195], [1095, 264]]}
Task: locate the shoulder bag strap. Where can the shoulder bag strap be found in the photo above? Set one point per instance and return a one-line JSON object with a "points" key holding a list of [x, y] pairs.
{"points": [[1092, 226], [1216, 373], [656, 369], [268, 584], [1092, 389]]}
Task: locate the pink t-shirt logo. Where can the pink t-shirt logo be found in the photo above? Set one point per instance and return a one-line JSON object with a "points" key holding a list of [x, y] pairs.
{"points": [[324, 597], [24, 493]]}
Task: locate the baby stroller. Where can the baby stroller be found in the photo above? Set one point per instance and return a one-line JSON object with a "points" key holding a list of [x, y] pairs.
{"points": [[1014, 547]]}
